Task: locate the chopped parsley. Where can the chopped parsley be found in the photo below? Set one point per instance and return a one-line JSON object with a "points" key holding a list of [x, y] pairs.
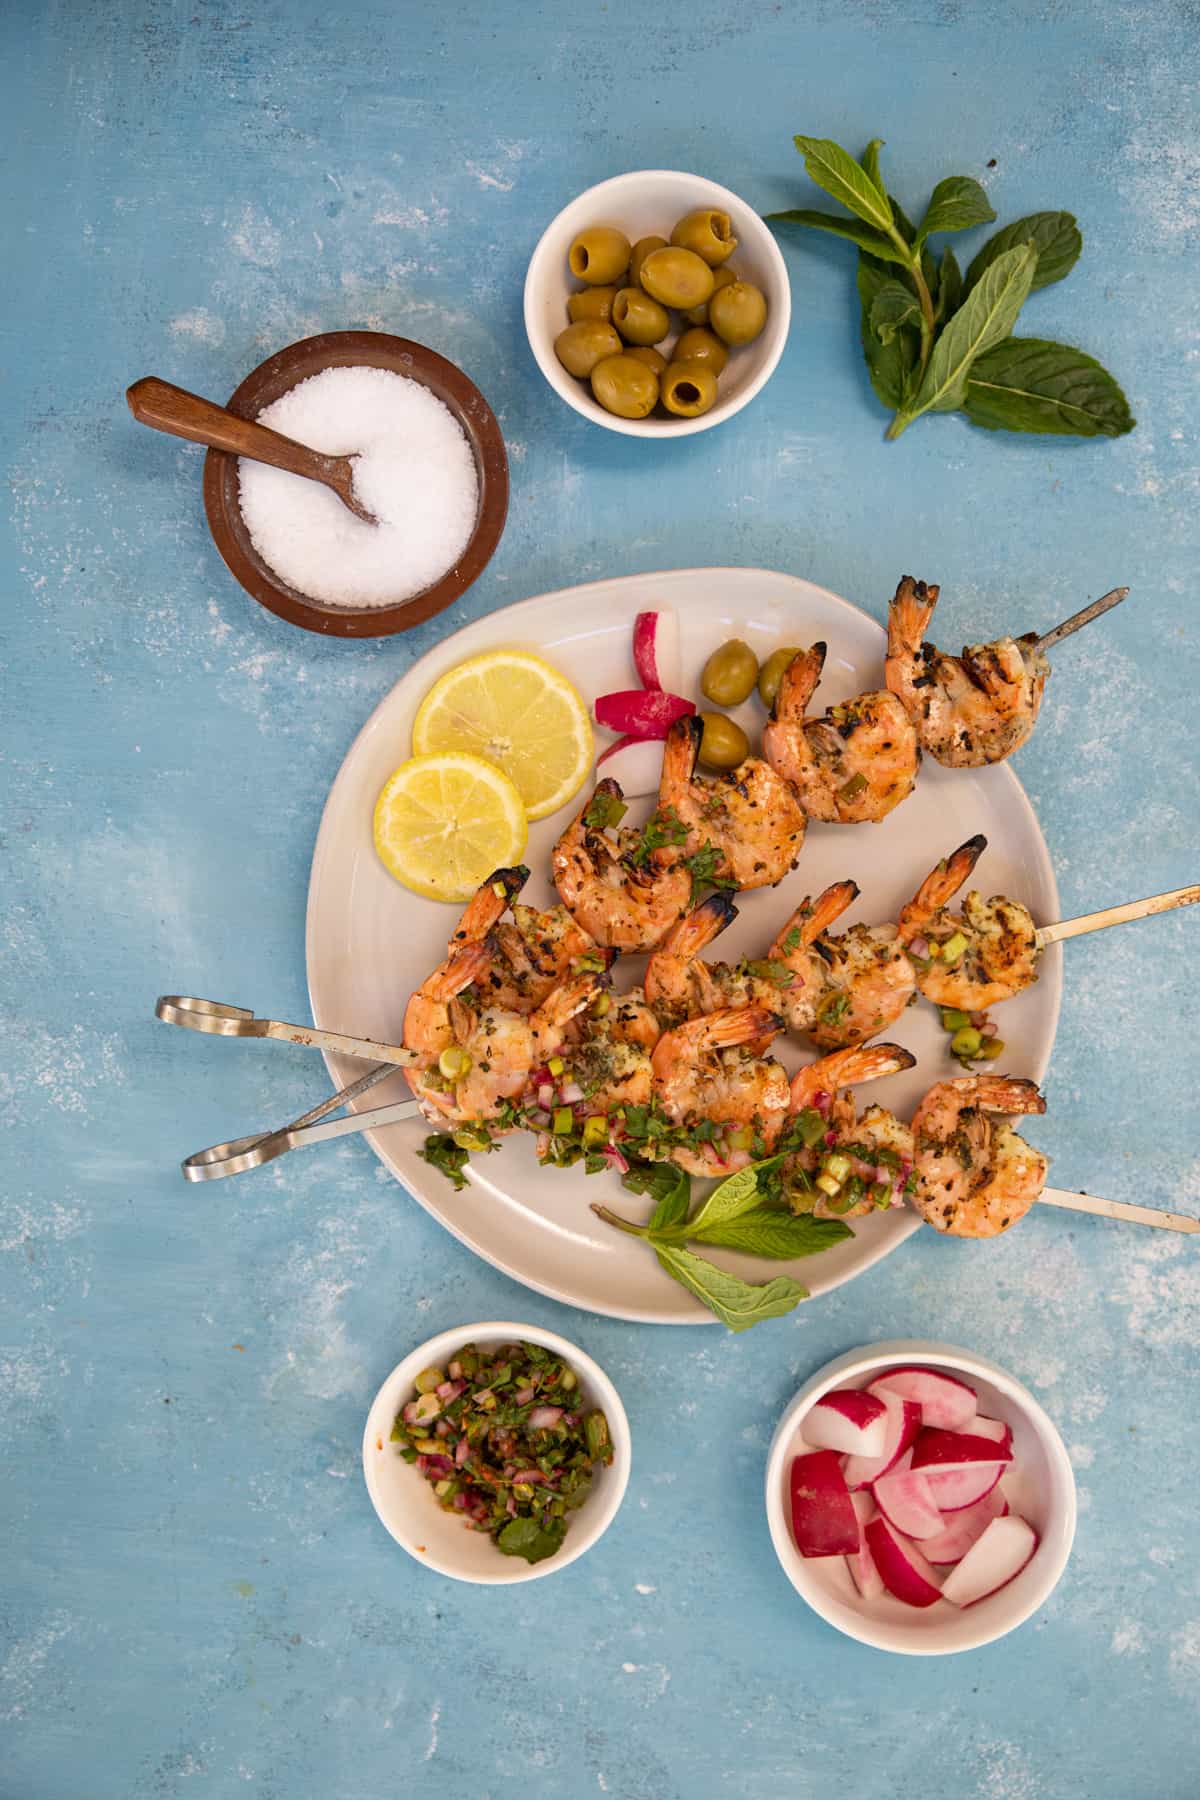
{"points": [[604, 810]]}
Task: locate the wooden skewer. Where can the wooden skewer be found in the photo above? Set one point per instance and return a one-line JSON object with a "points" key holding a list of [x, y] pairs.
{"points": [[1080, 619], [1117, 915], [1120, 1209]]}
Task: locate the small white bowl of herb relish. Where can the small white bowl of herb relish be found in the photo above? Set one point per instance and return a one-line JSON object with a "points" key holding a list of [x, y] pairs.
{"points": [[497, 1452]]}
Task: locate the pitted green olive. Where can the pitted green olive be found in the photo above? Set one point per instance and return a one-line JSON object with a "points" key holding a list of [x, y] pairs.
{"points": [[708, 232], [698, 344], [599, 255], [772, 671], [676, 277], [698, 315], [738, 312], [724, 744], [646, 353], [730, 674], [641, 251], [689, 389], [638, 318], [581, 346], [625, 386], [592, 303]]}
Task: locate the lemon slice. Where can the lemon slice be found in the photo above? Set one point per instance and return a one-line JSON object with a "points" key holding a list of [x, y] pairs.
{"points": [[444, 822], [517, 712]]}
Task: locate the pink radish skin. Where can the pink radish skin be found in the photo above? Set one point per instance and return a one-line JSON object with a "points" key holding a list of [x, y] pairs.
{"points": [[640, 713], [994, 1560], [995, 1429], [905, 1500], [848, 1420], [656, 650], [863, 1572], [824, 1522], [963, 1529], [960, 1488], [635, 764], [904, 1570], [947, 1450], [904, 1421], [946, 1403]]}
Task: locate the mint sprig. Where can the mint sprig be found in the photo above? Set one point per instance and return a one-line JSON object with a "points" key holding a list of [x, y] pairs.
{"points": [[936, 340]]}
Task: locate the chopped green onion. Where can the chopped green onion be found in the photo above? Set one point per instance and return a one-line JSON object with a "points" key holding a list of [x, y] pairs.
{"points": [[595, 1430], [836, 1165], [564, 1121], [840, 1202], [591, 963], [472, 1137], [500, 891], [991, 1048], [428, 1380], [601, 1006], [556, 1065], [454, 1063], [966, 1042], [811, 1126], [953, 947], [595, 1131], [953, 1019], [850, 790], [742, 1139], [881, 1195], [829, 1185]]}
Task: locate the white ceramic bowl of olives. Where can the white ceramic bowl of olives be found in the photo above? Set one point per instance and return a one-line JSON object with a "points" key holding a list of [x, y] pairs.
{"points": [[673, 298]]}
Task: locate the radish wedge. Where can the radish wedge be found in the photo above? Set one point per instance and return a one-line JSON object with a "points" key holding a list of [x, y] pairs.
{"points": [[904, 1498], [991, 1562], [955, 1489], [904, 1421], [634, 763], [824, 1522], [848, 1420], [656, 650], [962, 1529], [863, 1572], [641, 713], [946, 1450], [904, 1570], [946, 1402]]}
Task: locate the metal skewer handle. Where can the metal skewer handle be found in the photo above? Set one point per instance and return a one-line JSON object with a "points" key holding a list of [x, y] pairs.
{"points": [[220, 1020], [1078, 620]]}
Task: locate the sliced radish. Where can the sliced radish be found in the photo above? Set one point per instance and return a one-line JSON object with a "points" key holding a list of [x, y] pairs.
{"points": [[824, 1522], [991, 1562], [955, 1489], [634, 763], [948, 1450], [863, 1572], [904, 1498], [641, 713], [656, 650], [903, 1423], [904, 1570], [849, 1420], [962, 1529], [995, 1429], [946, 1403]]}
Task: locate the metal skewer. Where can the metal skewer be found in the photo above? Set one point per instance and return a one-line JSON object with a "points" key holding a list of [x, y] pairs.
{"points": [[1080, 619], [220, 1020], [1120, 1209], [1117, 915], [237, 1155]]}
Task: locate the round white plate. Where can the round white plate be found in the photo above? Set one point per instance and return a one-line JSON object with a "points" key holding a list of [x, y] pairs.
{"points": [[370, 941]]}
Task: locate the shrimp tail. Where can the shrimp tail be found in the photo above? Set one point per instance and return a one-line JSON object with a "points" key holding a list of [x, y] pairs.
{"points": [[700, 926], [1008, 1094], [813, 917], [680, 755], [848, 1068], [458, 972], [489, 903], [940, 886], [798, 683], [909, 614], [722, 1030]]}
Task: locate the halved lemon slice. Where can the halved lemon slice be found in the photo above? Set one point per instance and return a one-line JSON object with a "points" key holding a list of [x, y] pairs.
{"points": [[444, 822], [519, 713]]}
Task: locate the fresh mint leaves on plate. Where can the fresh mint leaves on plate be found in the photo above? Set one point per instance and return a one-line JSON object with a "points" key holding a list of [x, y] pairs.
{"points": [[936, 340]]}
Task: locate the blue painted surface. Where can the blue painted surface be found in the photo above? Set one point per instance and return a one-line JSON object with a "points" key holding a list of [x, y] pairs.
{"points": [[198, 1599]]}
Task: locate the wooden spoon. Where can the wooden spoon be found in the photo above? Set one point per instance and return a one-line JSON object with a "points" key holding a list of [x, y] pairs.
{"points": [[174, 410]]}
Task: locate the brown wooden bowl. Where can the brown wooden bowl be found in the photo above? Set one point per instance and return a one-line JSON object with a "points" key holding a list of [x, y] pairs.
{"points": [[375, 350]]}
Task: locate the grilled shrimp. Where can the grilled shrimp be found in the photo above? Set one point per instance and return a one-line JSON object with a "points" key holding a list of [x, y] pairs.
{"points": [[536, 952], [1001, 952], [971, 709], [747, 817], [677, 983], [974, 1176], [851, 765], [848, 1165], [620, 902], [846, 988], [428, 1027], [707, 1075]]}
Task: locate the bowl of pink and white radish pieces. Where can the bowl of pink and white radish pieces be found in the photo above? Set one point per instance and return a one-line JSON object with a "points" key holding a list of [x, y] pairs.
{"points": [[919, 1498]]}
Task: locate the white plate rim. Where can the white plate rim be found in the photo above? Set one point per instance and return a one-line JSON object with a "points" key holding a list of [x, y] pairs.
{"points": [[419, 671]]}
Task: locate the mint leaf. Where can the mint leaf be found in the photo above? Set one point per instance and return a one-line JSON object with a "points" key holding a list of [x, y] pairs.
{"points": [[835, 170], [986, 316], [949, 286], [862, 235], [732, 1196], [738, 1304], [527, 1538], [894, 305], [955, 205], [764, 1231], [443, 1153], [668, 1185], [869, 163], [1054, 235], [1032, 384], [888, 365]]}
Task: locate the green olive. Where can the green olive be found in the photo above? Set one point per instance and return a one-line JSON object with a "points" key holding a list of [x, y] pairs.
{"points": [[641, 251], [689, 389], [698, 315], [592, 303], [730, 674], [677, 277], [707, 232], [701, 345], [638, 318], [724, 744], [581, 346], [738, 313], [646, 353], [625, 386], [599, 255], [771, 673]]}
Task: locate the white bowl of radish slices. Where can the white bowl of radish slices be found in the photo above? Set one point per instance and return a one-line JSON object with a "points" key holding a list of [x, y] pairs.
{"points": [[919, 1498]]}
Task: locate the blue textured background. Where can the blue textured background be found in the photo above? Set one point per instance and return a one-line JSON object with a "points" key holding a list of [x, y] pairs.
{"points": [[197, 1598]]}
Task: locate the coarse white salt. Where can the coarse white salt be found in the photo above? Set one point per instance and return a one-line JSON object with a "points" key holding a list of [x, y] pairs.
{"points": [[414, 469]]}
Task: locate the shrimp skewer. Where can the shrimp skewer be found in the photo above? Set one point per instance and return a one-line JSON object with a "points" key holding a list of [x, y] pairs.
{"points": [[975, 958], [854, 763], [621, 903], [708, 1076], [855, 984], [847, 1166], [974, 1176], [747, 819]]}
